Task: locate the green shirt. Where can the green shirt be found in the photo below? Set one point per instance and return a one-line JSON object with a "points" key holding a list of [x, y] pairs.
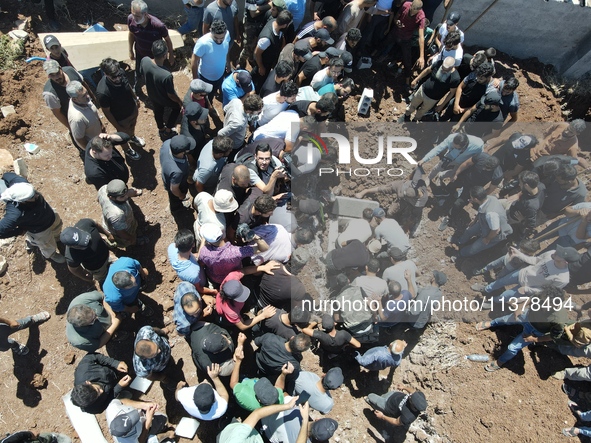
{"points": [[244, 394], [87, 338], [239, 433]]}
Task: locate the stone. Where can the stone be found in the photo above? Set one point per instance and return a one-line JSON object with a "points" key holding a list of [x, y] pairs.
{"points": [[352, 207], [7, 110], [39, 381], [18, 34], [70, 358], [3, 265], [21, 25]]}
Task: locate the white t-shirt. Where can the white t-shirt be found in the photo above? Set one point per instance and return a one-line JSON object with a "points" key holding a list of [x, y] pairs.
{"points": [[114, 409], [443, 32], [321, 79], [457, 54], [185, 397], [285, 125], [279, 241], [271, 107]]}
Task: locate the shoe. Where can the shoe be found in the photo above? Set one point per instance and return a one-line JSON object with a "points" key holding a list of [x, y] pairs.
{"points": [[403, 118], [56, 257], [145, 310], [480, 271], [452, 239], [134, 155], [444, 223], [416, 229], [137, 141], [29, 247], [40, 318], [165, 135], [570, 392], [22, 350], [559, 375], [477, 287]]}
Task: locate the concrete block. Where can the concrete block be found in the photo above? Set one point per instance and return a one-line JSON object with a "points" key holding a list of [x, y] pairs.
{"points": [[7, 110], [18, 34], [333, 233], [365, 101], [364, 63], [21, 168], [352, 207]]}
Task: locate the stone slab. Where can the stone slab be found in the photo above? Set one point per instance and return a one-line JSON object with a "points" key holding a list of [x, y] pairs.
{"points": [[352, 207]]}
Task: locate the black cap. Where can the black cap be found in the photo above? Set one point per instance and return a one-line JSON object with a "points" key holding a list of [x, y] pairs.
{"points": [[453, 18], [215, 343], [265, 392], [203, 397], [181, 143]]}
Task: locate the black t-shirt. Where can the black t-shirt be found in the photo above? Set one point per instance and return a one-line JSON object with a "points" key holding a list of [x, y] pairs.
{"points": [[277, 327], [477, 176], [309, 68], [472, 92], [280, 289], [580, 271], [272, 355], [435, 89], [483, 115], [301, 107], [393, 409], [510, 157], [225, 182], [352, 255], [118, 98], [100, 172], [95, 254], [270, 85], [159, 82], [245, 215], [333, 345]]}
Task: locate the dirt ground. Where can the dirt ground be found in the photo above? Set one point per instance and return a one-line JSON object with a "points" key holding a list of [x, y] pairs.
{"points": [[466, 404]]}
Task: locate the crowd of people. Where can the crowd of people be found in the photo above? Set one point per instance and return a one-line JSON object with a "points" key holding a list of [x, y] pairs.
{"points": [[240, 303]]}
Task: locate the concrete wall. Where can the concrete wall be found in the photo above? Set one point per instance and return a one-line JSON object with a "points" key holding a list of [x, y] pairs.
{"points": [[556, 33]]}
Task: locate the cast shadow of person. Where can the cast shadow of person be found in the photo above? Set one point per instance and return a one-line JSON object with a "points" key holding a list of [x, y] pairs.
{"points": [[26, 367], [144, 170], [548, 360]]}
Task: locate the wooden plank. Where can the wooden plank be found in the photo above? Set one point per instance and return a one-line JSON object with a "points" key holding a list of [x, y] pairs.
{"points": [[87, 50]]}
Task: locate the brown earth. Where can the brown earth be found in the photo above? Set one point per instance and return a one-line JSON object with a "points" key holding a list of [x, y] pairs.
{"points": [[517, 404]]}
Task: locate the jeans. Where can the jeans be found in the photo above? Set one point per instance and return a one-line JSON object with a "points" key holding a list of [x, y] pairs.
{"points": [[501, 263], [175, 111], [379, 401], [5, 330], [217, 85], [577, 374], [477, 246], [518, 342], [194, 21]]}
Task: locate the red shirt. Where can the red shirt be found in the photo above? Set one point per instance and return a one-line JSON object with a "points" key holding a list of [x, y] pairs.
{"points": [[410, 22]]}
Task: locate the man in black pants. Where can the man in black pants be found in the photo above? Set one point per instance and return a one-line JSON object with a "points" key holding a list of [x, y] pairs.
{"points": [[175, 170], [160, 87]]}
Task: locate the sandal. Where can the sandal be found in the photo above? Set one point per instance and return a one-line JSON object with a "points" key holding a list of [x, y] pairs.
{"points": [[42, 317], [569, 432], [482, 326], [492, 366]]}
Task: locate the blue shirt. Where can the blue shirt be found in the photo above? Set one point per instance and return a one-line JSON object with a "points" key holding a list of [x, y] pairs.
{"points": [[378, 358], [326, 89], [187, 270], [182, 320], [213, 56], [453, 155], [231, 89], [145, 366], [117, 298]]}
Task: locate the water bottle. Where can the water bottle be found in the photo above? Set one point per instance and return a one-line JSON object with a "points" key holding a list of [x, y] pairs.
{"points": [[477, 357]]}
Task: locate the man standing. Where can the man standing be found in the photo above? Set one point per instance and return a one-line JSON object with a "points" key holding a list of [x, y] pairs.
{"points": [[440, 87], [210, 56], [118, 219], [119, 104], [489, 227], [123, 285], [253, 23], [83, 116], [151, 354], [194, 10], [144, 30], [226, 11], [269, 45], [87, 254], [103, 163], [175, 170], [237, 85], [27, 210], [160, 87], [54, 93], [212, 159], [238, 116]]}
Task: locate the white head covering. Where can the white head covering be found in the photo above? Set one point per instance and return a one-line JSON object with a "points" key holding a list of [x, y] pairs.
{"points": [[19, 192]]}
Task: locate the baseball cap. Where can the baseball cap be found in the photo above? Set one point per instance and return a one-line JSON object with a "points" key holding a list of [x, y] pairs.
{"points": [[197, 86], [265, 392], [332, 52], [374, 246], [125, 423], [323, 429], [417, 401], [567, 253], [180, 143], [309, 206], [453, 18], [203, 397], [379, 213], [194, 111], [236, 291], [397, 253], [333, 379], [212, 233], [245, 81], [215, 343], [440, 278], [302, 49], [279, 4], [75, 237], [224, 201], [347, 58], [50, 40], [323, 35], [51, 67], [327, 322], [116, 188], [492, 98]]}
